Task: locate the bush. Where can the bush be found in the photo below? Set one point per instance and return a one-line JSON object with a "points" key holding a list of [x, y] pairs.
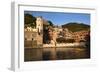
{"points": [[64, 40]]}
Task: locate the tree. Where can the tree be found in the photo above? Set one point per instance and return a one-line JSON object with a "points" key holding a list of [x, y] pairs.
{"points": [[63, 40], [29, 20], [70, 40], [50, 23]]}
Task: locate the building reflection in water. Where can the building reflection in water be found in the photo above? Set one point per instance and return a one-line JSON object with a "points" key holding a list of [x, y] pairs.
{"points": [[40, 54]]}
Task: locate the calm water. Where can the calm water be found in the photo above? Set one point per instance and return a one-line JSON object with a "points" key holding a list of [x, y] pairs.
{"points": [[40, 54]]}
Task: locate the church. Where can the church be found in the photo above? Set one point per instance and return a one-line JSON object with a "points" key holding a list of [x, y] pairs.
{"points": [[33, 36]]}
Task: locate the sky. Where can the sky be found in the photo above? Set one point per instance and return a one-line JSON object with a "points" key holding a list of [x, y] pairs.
{"points": [[60, 18]]}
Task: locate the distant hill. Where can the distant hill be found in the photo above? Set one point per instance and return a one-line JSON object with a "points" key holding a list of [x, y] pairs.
{"points": [[76, 26]]}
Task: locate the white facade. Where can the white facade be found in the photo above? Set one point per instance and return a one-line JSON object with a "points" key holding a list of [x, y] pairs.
{"points": [[39, 24]]}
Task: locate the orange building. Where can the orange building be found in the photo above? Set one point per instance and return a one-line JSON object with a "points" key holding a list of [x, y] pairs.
{"points": [[80, 35]]}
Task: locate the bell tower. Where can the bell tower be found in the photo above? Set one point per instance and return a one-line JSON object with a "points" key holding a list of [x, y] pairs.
{"points": [[39, 24], [39, 27]]}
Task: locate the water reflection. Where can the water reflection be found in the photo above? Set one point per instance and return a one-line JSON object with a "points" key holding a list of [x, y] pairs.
{"points": [[65, 53], [39, 54]]}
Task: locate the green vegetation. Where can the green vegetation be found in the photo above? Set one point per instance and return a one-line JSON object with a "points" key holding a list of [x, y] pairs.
{"points": [[50, 23], [76, 26], [64, 40], [29, 20]]}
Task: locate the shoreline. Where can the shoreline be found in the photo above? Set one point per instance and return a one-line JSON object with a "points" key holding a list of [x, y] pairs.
{"points": [[61, 45]]}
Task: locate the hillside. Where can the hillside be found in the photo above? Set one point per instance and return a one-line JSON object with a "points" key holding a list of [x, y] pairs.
{"points": [[76, 26], [30, 20]]}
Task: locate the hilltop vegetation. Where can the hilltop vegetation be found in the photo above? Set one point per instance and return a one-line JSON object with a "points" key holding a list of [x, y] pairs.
{"points": [[30, 21], [76, 26]]}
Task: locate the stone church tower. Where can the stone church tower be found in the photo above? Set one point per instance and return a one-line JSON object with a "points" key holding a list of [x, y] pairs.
{"points": [[39, 25]]}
